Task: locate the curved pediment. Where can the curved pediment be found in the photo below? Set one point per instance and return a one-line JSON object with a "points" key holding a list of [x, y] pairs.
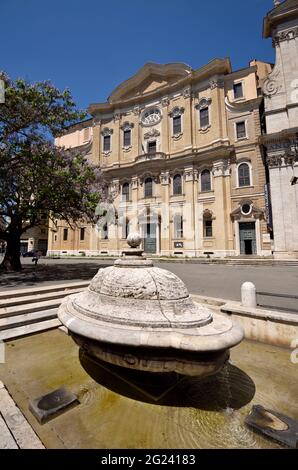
{"points": [[151, 77]]}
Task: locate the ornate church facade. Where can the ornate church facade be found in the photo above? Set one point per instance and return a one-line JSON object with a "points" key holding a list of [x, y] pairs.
{"points": [[281, 114], [180, 156]]}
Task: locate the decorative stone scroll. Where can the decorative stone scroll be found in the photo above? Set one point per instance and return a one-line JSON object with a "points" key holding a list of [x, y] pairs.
{"points": [[216, 83], [203, 103], [165, 101], [190, 174], [127, 126], [287, 35], [152, 133], [165, 178], [221, 168], [282, 159], [187, 92], [177, 111], [106, 131], [272, 84], [136, 110], [208, 214], [115, 188], [134, 182]]}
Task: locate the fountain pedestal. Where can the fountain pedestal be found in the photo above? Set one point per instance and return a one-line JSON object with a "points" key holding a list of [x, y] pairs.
{"points": [[141, 317]]}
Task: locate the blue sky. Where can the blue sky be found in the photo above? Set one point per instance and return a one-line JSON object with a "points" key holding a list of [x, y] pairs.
{"points": [[90, 46]]}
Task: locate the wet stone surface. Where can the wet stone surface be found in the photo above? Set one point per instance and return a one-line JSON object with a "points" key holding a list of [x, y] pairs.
{"points": [[275, 425], [50, 405], [123, 409]]}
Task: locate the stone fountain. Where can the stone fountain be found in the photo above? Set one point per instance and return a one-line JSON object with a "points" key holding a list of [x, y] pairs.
{"points": [[137, 316]]}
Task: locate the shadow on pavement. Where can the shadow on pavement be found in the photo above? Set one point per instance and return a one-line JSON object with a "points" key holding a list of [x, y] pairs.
{"points": [[35, 275]]}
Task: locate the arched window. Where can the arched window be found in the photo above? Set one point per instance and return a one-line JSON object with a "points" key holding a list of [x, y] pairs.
{"points": [[178, 226], [125, 227], [177, 185], [205, 181], [207, 221], [243, 174], [148, 187], [125, 192]]}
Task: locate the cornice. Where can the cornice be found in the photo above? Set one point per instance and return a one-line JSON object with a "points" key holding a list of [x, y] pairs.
{"points": [[78, 126], [151, 68], [280, 14], [278, 137], [210, 70], [81, 149], [238, 107], [242, 72], [166, 162]]}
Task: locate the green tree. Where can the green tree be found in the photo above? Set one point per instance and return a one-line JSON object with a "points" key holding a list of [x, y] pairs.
{"points": [[36, 176]]}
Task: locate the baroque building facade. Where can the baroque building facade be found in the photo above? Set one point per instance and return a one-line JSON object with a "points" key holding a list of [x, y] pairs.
{"points": [[281, 139], [181, 159], [35, 239]]}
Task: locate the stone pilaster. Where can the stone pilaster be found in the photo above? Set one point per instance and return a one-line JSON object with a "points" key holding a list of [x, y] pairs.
{"points": [[165, 128], [165, 232], [189, 210], [222, 192], [96, 143]]}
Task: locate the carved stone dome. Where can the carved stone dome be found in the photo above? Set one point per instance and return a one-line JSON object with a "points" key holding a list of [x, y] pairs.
{"points": [[141, 297]]}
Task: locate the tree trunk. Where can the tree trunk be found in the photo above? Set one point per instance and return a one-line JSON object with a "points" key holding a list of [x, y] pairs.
{"points": [[11, 261]]}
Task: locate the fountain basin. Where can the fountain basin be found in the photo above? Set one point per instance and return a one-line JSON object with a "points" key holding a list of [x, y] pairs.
{"points": [[141, 317]]}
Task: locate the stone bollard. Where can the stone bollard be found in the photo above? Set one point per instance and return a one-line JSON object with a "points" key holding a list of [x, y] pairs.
{"points": [[248, 295]]}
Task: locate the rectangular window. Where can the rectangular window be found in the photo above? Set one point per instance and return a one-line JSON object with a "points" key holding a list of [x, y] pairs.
{"points": [[208, 228], [152, 146], [240, 130], [127, 138], [238, 90], [204, 117], [178, 226], [177, 125], [106, 143], [82, 234], [65, 234]]}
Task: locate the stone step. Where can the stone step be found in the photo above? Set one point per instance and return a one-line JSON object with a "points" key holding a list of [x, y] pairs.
{"points": [[6, 439], [28, 308], [12, 293], [22, 434], [29, 329], [28, 318], [37, 297]]}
